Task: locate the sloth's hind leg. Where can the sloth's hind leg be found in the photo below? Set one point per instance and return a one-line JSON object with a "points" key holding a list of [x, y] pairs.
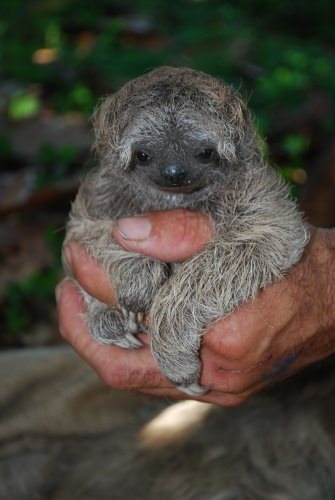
{"points": [[108, 325]]}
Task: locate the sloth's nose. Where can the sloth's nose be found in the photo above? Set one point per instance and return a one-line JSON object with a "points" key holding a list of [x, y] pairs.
{"points": [[175, 175]]}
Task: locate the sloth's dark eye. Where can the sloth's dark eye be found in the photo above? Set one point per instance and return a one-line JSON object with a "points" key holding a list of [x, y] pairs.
{"points": [[206, 155], [142, 157]]}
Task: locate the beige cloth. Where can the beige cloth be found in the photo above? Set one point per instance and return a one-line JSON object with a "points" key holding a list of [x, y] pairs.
{"points": [[64, 435]]}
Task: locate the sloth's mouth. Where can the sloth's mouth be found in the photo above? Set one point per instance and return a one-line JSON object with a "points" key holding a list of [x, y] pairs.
{"points": [[181, 189], [185, 187]]}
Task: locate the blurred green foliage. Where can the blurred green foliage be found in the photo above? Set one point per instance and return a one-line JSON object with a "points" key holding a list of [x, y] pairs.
{"points": [[278, 49], [6, 147], [24, 299], [67, 54], [295, 145], [276, 52], [23, 105], [53, 164], [28, 300]]}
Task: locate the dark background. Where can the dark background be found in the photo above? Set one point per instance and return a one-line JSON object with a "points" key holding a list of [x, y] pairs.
{"points": [[58, 57]]}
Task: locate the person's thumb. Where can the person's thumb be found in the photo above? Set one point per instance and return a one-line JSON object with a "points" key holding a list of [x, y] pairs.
{"points": [[170, 236]]}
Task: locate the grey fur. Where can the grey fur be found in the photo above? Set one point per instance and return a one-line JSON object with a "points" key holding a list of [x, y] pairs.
{"points": [[259, 231]]}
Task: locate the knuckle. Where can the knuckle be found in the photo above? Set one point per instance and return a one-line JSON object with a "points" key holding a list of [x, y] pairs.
{"points": [[232, 347], [192, 229], [196, 229], [182, 226], [189, 229]]}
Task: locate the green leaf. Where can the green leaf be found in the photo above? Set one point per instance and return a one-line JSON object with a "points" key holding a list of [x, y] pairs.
{"points": [[295, 145], [23, 106]]}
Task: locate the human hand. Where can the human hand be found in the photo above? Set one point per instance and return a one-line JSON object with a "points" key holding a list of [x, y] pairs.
{"points": [[287, 327]]}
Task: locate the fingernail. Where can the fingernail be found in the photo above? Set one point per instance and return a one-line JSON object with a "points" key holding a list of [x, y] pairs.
{"points": [[134, 228], [67, 257], [60, 286]]}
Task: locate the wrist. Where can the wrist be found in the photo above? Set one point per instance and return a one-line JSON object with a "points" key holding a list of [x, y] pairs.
{"points": [[321, 263], [328, 237]]}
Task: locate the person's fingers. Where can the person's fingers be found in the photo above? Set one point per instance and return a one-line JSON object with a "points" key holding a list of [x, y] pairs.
{"points": [[220, 376], [88, 272], [72, 325], [119, 368], [136, 369], [246, 337], [131, 368], [170, 236], [173, 236]]}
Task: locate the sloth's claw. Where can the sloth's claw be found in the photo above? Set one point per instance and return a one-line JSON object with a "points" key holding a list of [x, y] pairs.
{"points": [[133, 341], [132, 326], [194, 390], [132, 316], [133, 320], [125, 312], [140, 317], [142, 328]]}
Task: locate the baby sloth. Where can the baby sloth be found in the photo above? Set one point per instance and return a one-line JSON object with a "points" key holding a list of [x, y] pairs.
{"points": [[178, 138]]}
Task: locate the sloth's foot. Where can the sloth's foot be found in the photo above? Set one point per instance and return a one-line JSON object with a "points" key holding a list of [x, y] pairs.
{"points": [[134, 320], [109, 326]]}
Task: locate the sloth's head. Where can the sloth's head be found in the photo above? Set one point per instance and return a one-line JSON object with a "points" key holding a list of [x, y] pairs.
{"points": [[177, 129]]}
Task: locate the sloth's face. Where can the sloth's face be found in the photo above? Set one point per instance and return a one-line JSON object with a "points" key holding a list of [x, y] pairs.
{"points": [[175, 162]]}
